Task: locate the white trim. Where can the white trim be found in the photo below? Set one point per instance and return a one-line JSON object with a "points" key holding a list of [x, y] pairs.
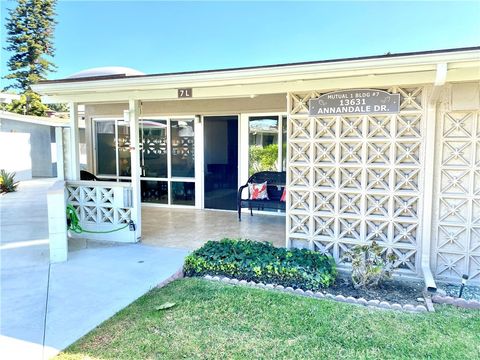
{"points": [[243, 149], [40, 120], [199, 162], [279, 133], [340, 68], [134, 112], [288, 242], [280, 143], [74, 160]]}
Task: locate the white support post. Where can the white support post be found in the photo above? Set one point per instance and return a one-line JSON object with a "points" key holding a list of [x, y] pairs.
{"points": [[134, 113], [243, 149], [57, 223], [199, 162], [74, 160], [59, 146], [288, 242]]}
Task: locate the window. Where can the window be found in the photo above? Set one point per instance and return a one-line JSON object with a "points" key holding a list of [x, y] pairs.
{"points": [[267, 143], [168, 161], [112, 138], [166, 157], [154, 154], [182, 148]]}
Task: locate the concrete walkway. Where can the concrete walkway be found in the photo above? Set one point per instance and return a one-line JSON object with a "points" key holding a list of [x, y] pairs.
{"points": [[46, 308]]}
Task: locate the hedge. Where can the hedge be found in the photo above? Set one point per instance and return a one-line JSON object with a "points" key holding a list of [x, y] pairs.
{"points": [[262, 262]]}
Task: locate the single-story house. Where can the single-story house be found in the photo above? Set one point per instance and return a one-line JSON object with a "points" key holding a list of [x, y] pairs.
{"points": [[383, 148]]}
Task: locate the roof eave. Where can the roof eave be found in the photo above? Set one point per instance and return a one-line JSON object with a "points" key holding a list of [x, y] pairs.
{"points": [[384, 65]]}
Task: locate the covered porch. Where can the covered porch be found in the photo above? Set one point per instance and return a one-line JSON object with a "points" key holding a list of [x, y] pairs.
{"points": [[190, 229]]}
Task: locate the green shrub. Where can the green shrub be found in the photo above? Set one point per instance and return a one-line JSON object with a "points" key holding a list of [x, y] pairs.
{"points": [[262, 262], [7, 181], [263, 158], [370, 265]]}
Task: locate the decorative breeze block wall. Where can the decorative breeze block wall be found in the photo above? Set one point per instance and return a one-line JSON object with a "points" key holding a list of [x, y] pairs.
{"points": [[353, 179], [101, 208], [96, 204], [457, 226]]}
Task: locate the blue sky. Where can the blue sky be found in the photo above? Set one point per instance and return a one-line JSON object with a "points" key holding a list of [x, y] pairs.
{"points": [[157, 36]]}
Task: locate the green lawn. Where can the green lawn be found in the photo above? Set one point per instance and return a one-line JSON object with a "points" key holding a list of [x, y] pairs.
{"points": [[213, 320]]}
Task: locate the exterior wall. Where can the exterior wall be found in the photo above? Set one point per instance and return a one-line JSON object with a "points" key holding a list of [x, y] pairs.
{"points": [[456, 220], [353, 179], [263, 103], [41, 139], [15, 155]]}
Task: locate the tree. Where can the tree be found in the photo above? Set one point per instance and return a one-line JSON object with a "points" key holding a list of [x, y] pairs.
{"points": [[30, 27], [29, 103]]}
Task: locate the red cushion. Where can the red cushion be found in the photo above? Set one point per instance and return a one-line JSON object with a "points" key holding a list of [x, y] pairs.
{"points": [[284, 194], [258, 191]]}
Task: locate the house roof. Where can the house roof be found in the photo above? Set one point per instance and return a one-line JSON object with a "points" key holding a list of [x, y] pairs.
{"points": [[104, 71], [461, 64], [84, 74], [6, 98], [40, 120]]}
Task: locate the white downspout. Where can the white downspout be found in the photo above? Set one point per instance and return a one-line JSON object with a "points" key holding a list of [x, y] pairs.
{"points": [[431, 121]]}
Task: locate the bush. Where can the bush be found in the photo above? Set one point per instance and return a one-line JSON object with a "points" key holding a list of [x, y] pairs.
{"points": [[30, 103], [263, 158], [369, 265], [262, 262], [7, 181]]}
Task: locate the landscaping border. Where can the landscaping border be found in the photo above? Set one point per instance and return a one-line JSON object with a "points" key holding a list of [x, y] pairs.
{"points": [[459, 302], [319, 295]]}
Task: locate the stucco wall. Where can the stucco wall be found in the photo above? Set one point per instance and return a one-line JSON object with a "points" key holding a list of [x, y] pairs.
{"points": [[263, 103], [41, 139], [15, 154]]}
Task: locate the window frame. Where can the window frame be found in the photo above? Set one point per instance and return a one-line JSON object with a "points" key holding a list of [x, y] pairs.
{"points": [[169, 179]]}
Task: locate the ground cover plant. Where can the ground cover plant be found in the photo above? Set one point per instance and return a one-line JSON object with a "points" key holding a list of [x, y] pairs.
{"points": [[262, 262], [211, 320]]}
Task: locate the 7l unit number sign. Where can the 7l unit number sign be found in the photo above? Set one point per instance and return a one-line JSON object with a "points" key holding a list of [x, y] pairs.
{"points": [[185, 93], [355, 102]]}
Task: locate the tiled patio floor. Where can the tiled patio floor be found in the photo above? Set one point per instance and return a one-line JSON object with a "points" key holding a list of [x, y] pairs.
{"points": [[190, 228]]}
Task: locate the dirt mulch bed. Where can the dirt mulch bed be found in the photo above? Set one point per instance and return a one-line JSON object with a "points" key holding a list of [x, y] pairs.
{"points": [[470, 292], [393, 291]]}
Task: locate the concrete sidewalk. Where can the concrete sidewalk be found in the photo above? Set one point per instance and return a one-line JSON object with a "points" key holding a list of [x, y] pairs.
{"points": [[46, 308]]}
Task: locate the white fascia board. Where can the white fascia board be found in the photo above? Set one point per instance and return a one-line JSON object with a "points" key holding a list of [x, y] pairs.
{"points": [[39, 120], [246, 90], [394, 65]]}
